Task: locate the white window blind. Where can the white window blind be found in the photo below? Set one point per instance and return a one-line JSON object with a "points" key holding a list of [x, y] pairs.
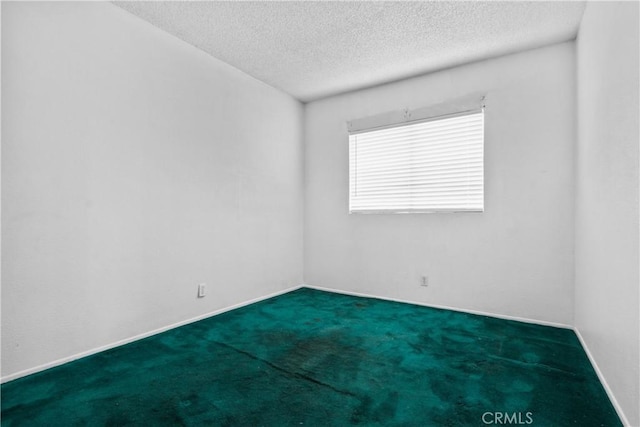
{"points": [[434, 165]]}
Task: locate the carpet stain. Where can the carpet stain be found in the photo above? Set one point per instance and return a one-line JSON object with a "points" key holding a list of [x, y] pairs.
{"points": [[315, 358]]}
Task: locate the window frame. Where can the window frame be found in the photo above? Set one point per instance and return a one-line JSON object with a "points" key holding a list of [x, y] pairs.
{"points": [[390, 121]]}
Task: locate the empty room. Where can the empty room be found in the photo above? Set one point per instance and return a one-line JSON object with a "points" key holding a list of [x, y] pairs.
{"points": [[320, 213]]}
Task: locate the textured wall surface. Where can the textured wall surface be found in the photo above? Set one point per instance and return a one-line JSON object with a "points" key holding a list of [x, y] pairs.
{"points": [[516, 258], [134, 167], [606, 245]]}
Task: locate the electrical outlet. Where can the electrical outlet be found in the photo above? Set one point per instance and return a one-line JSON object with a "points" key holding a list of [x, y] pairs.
{"points": [[424, 281], [202, 290]]}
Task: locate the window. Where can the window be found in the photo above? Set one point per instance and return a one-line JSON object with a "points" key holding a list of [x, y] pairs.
{"points": [[431, 165]]}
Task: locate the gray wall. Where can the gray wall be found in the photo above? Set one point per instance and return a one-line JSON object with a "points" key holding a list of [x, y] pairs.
{"points": [[134, 167], [606, 236], [514, 259]]}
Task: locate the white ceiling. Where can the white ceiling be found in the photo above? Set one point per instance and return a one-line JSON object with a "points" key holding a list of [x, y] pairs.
{"points": [[315, 49]]}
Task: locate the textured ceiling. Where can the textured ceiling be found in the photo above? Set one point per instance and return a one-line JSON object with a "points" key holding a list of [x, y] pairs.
{"points": [[314, 49]]}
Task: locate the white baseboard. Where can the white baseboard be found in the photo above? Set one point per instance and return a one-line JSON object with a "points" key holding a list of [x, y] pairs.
{"points": [[444, 307], [357, 294], [602, 379], [77, 356]]}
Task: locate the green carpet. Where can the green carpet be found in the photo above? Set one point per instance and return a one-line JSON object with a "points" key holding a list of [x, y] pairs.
{"points": [[315, 358]]}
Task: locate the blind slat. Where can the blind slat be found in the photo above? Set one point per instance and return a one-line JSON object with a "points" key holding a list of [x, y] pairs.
{"points": [[422, 167], [442, 133], [466, 165]]}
